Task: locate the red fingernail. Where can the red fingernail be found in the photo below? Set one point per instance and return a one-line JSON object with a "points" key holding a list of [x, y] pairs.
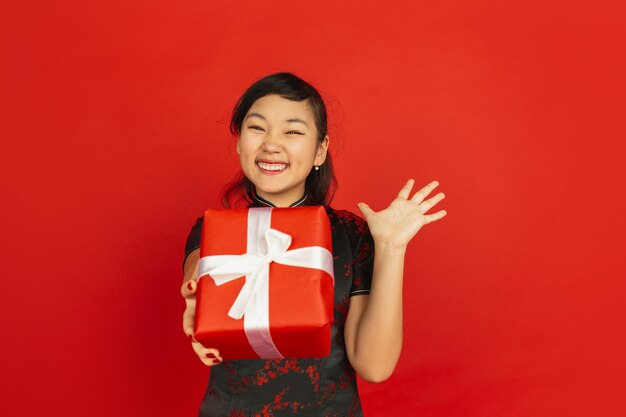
{"points": [[190, 337], [216, 361], [189, 286], [210, 355]]}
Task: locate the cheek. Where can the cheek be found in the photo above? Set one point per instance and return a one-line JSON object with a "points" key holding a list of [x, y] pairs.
{"points": [[305, 152], [245, 147], [246, 161]]}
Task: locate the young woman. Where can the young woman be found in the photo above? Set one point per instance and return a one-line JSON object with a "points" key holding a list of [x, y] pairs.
{"points": [[281, 129]]}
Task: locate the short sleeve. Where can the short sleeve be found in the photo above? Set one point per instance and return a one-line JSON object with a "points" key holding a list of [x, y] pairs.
{"points": [[193, 240], [362, 259]]}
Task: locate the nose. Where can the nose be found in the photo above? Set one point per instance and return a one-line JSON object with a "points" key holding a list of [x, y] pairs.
{"points": [[271, 144]]}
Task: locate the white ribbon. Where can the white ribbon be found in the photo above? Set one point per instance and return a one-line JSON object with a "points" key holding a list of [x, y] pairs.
{"points": [[264, 245]]}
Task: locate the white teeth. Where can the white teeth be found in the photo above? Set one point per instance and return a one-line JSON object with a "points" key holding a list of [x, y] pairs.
{"points": [[272, 167]]}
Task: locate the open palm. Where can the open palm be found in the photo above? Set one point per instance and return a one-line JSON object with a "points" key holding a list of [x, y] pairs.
{"points": [[396, 225]]}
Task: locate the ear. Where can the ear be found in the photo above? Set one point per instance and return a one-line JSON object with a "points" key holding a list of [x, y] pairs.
{"points": [[238, 147], [322, 151]]}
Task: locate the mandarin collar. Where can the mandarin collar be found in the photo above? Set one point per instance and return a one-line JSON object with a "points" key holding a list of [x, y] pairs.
{"points": [[259, 201]]}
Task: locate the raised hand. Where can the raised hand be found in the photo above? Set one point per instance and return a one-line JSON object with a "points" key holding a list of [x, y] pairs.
{"points": [[396, 225], [208, 356]]}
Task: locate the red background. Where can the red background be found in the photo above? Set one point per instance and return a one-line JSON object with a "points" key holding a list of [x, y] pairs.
{"points": [[114, 126]]}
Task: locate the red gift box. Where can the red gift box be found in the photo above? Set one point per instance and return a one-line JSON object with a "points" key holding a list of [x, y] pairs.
{"points": [[265, 283]]}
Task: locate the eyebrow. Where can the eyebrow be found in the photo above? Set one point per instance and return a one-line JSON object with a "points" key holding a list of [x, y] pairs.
{"points": [[292, 120]]}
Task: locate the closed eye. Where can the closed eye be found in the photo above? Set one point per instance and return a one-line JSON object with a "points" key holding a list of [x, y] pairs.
{"points": [[254, 127]]}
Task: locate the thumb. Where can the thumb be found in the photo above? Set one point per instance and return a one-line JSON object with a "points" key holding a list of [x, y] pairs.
{"points": [[365, 209]]}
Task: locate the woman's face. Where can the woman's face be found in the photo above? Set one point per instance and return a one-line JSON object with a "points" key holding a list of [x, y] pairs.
{"points": [[278, 147]]}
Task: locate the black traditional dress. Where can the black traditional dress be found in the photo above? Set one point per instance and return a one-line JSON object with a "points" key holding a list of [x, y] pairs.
{"points": [[295, 386]]}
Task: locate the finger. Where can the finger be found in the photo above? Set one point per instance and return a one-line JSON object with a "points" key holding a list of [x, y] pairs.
{"points": [[428, 204], [208, 356], [191, 338], [421, 194], [406, 190], [210, 362], [189, 288], [365, 209], [434, 217], [189, 317]]}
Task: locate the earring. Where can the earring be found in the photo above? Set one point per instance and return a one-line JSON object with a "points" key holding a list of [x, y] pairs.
{"points": [[317, 168]]}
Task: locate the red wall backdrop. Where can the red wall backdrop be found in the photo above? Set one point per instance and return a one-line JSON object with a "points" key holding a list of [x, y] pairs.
{"points": [[115, 136]]}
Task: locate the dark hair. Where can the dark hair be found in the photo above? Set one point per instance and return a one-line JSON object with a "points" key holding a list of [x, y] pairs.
{"points": [[319, 185]]}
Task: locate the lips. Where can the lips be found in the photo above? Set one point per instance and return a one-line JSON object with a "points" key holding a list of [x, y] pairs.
{"points": [[272, 166]]}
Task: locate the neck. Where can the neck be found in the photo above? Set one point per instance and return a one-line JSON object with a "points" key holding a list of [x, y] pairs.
{"points": [[262, 199]]}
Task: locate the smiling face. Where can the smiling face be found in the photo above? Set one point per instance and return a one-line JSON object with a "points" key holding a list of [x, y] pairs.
{"points": [[278, 147]]}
